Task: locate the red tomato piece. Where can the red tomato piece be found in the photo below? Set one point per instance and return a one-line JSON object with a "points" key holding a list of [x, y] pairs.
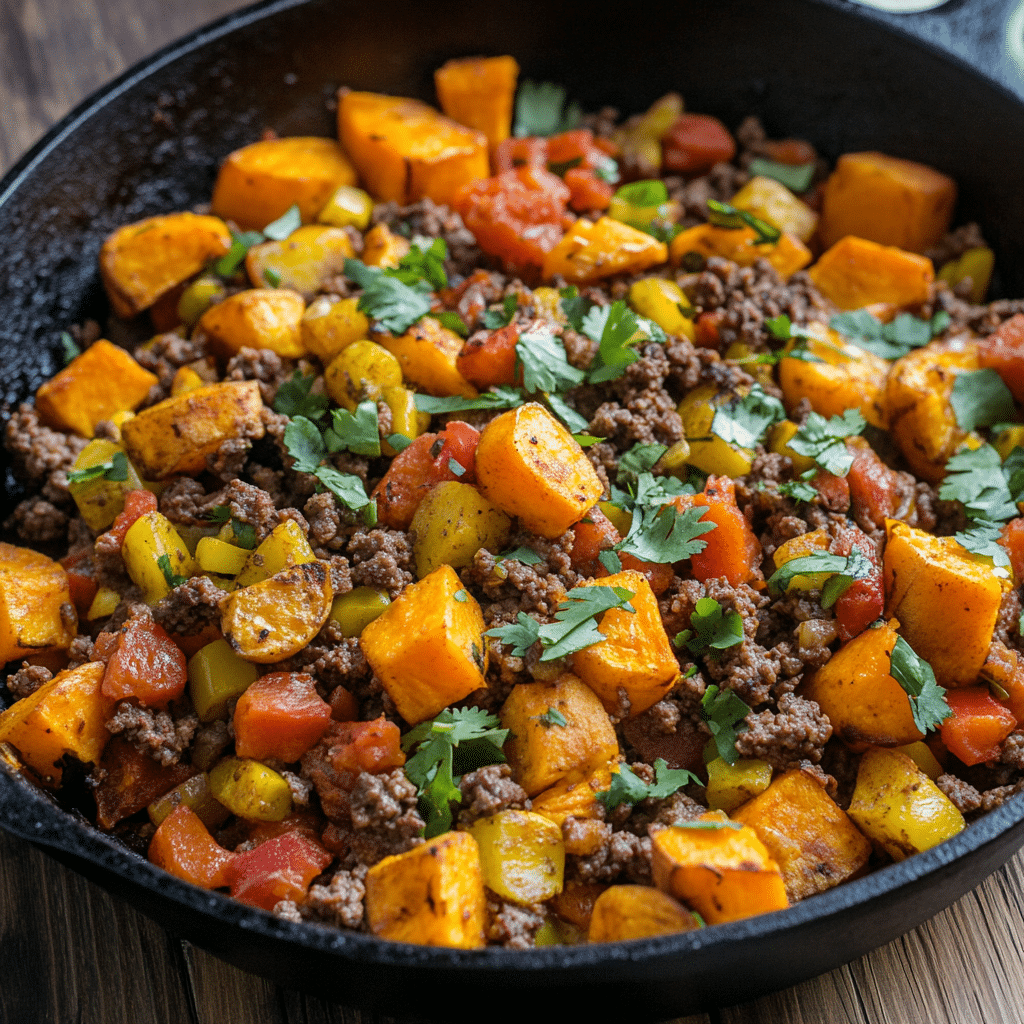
{"points": [[531, 151], [706, 329], [978, 725], [592, 534], [147, 665], [279, 869], [280, 715], [1012, 538], [183, 847], [489, 357], [1003, 351], [459, 444], [695, 143], [876, 491], [794, 152], [587, 191], [373, 747], [136, 505], [864, 600]]}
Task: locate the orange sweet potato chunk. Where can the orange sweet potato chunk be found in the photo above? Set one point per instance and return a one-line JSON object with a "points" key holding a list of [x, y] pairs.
{"points": [[590, 251], [806, 833], [636, 912], [33, 590], [857, 272], [426, 647], [183, 847], [479, 92], [103, 380], [787, 255], [405, 150], [530, 466], [257, 318], [140, 262], [635, 655], [886, 200], [260, 182], [428, 353]]}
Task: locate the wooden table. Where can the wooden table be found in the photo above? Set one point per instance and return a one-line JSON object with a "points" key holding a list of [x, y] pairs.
{"points": [[69, 952]]}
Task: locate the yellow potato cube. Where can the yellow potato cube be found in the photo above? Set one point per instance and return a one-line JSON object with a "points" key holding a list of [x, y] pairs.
{"points": [[330, 325], [383, 248], [522, 857], [663, 301], [251, 790], [303, 261], [361, 370], [35, 604], [590, 251], [155, 556], [348, 207], [575, 796]]}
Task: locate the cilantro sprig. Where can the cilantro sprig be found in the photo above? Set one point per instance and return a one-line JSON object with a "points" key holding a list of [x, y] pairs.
{"points": [[987, 487], [641, 458], [295, 398], [357, 432], [892, 340], [714, 629], [824, 440], [796, 177], [628, 788], [499, 397], [725, 714], [395, 305], [665, 533], [172, 578], [241, 242], [617, 330], [495, 319], [244, 533], [981, 399], [454, 742], [541, 110], [916, 677], [843, 571], [745, 420], [544, 364], [116, 469]]}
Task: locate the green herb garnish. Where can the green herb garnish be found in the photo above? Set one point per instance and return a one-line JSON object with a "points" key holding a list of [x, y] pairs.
{"points": [[915, 676], [628, 788], [714, 630]]}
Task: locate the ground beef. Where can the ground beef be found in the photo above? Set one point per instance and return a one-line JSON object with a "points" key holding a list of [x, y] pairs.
{"points": [[165, 355], [799, 730], [340, 902], [341, 665], [28, 679], [261, 364], [963, 794], [154, 733], [189, 608], [665, 731], [228, 461], [41, 456], [381, 558], [80, 651], [533, 589], [38, 521], [434, 221], [487, 791], [183, 501], [624, 857], [512, 925], [248, 504]]}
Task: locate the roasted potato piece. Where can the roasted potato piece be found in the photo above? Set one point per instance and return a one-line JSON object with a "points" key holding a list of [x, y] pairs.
{"points": [[102, 381], [155, 556], [432, 895], [330, 325], [257, 318], [946, 600], [274, 619], [522, 857], [361, 370], [856, 272], [100, 499], [260, 182], [405, 150], [427, 646], [590, 251], [427, 353], [787, 255], [140, 262], [530, 466], [730, 785], [251, 790], [35, 604], [286, 546], [773, 202], [302, 262], [479, 92], [661, 300], [636, 912], [575, 795]]}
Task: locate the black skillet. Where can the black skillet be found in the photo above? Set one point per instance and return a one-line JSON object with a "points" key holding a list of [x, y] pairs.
{"points": [[821, 69]]}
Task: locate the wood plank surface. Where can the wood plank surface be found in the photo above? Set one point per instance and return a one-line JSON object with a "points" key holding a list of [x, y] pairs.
{"points": [[69, 952]]}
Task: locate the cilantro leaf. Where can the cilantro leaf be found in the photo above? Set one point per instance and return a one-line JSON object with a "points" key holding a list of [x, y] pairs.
{"points": [[566, 413], [116, 469], [272, 277], [980, 398], [218, 514], [395, 305], [544, 363], [649, 490], [796, 177], [68, 347], [245, 534], [307, 447], [525, 555], [433, 769], [241, 243], [628, 788], [461, 596], [358, 432], [551, 718], [892, 340], [173, 579], [398, 441], [982, 538], [610, 560], [823, 440], [723, 215], [744, 421], [713, 629], [643, 194], [422, 265], [497, 398], [915, 676], [494, 319], [781, 329], [289, 221], [574, 306], [541, 110], [520, 635], [452, 321], [641, 458], [855, 566], [798, 490], [349, 490], [725, 715], [983, 484], [664, 534], [294, 397], [617, 329], [585, 440]]}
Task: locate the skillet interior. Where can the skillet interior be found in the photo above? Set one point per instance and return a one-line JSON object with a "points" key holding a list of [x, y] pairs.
{"points": [[806, 68]]}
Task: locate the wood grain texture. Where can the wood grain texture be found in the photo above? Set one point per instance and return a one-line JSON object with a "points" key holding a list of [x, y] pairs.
{"points": [[69, 952]]}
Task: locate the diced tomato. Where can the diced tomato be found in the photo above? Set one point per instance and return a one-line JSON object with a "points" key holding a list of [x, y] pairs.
{"points": [[1003, 351], [659, 574], [132, 780], [1012, 538], [834, 490], [978, 725], [147, 665], [864, 600], [876, 491], [374, 746], [587, 191], [795, 152], [136, 505], [195, 642], [280, 715], [592, 535], [81, 585], [106, 644], [695, 143], [451, 297], [344, 706], [731, 549], [459, 443], [305, 822], [489, 357], [183, 847], [706, 329], [531, 151], [279, 869]]}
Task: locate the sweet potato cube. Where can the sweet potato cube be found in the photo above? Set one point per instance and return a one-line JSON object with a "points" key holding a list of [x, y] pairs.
{"points": [[174, 436], [260, 182], [575, 795], [635, 655], [887, 200], [427, 353], [405, 150], [427, 647], [773, 202], [479, 93], [946, 601], [636, 912], [724, 873], [522, 857], [432, 895], [864, 703], [257, 318], [806, 833], [140, 262], [530, 466], [787, 255], [898, 807], [67, 715], [274, 619], [103, 380], [590, 251], [542, 754], [303, 261], [856, 272], [33, 591]]}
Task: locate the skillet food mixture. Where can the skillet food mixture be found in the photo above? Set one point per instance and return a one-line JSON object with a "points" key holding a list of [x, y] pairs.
{"points": [[590, 532]]}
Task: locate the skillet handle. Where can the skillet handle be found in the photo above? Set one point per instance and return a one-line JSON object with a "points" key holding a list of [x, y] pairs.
{"points": [[987, 35]]}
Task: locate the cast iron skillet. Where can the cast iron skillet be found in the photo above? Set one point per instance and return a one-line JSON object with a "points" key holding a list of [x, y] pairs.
{"points": [[820, 69]]}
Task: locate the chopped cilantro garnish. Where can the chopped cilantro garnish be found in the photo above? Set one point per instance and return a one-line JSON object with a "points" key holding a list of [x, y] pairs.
{"points": [[744, 421], [496, 398], [844, 569], [398, 441], [725, 714], [628, 788], [610, 560], [451, 744], [574, 306], [295, 398], [541, 110], [722, 215], [915, 675], [664, 533], [641, 458], [586, 440], [116, 469], [218, 514], [272, 277], [452, 322], [713, 629], [798, 490], [892, 340], [525, 555], [575, 627], [551, 718], [241, 243], [796, 177], [494, 319], [983, 484], [357, 432], [644, 194], [544, 364], [982, 538], [395, 305], [617, 330], [456, 467], [781, 329], [289, 221], [649, 490], [461, 596], [565, 412], [173, 580], [68, 347], [824, 440], [980, 398], [423, 265], [245, 533]]}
